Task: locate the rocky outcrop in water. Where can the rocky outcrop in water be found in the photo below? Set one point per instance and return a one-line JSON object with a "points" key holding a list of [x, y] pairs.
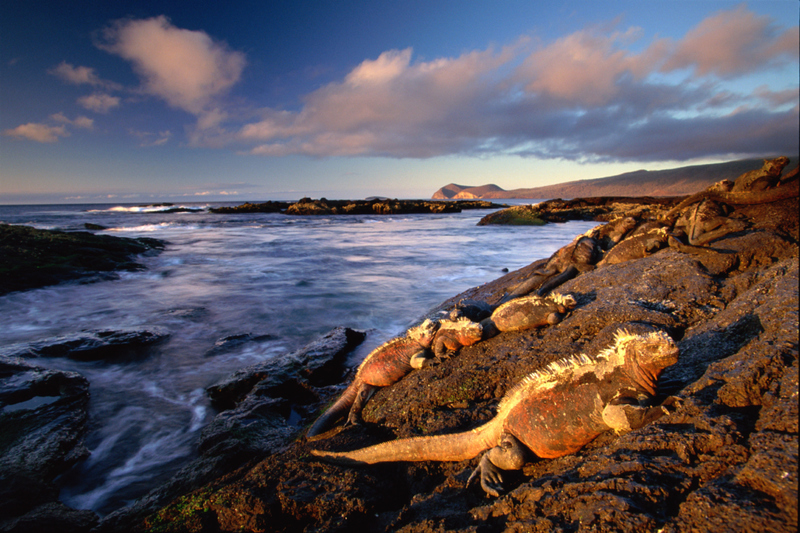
{"points": [[249, 207], [307, 206], [43, 419], [375, 206], [724, 460], [106, 345], [31, 258]]}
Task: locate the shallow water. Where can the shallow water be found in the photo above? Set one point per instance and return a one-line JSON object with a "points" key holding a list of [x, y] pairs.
{"points": [[284, 280]]}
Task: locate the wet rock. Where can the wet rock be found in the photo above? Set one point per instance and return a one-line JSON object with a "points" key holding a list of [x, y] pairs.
{"points": [[262, 409], [93, 227], [319, 363], [248, 207], [43, 418], [105, 345], [323, 206], [232, 342], [52, 516], [31, 258]]}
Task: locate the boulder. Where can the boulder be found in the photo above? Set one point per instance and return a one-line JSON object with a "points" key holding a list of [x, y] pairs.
{"points": [[43, 419], [106, 345]]}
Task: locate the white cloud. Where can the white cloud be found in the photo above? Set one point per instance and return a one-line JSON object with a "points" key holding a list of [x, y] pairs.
{"points": [[80, 122], [99, 102], [147, 138], [187, 69], [38, 132], [76, 75], [81, 75]]}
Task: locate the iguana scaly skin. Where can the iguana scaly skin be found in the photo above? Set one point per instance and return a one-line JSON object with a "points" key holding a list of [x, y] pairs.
{"points": [[385, 365], [551, 413], [529, 312], [453, 334], [565, 264], [636, 247]]}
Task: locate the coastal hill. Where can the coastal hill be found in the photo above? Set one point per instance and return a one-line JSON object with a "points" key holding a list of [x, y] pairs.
{"points": [[465, 192], [671, 182]]}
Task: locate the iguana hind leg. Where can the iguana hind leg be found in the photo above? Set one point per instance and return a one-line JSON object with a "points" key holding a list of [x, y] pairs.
{"points": [[364, 393], [510, 454]]}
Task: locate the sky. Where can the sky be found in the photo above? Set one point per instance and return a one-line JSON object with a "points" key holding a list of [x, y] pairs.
{"points": [[275, 100]]}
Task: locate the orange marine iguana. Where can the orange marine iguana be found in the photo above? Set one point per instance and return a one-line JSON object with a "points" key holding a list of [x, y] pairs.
{"points": [[553, 412], [385, 365]]}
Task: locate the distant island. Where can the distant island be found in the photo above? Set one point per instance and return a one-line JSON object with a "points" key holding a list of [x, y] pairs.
{"points": [[672, 182]]}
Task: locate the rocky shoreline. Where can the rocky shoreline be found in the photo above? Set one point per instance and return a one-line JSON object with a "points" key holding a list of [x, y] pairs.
{"points": [[725, 288], [377, 206], [32, 258]]}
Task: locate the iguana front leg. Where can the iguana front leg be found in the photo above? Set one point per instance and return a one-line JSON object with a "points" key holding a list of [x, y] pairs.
{"points": [[509, 454], [626, 414]]}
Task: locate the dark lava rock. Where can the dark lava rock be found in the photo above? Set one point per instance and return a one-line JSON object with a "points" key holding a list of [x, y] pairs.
{"points": [[600, 208], [371, 206], [319, 363], [93, 227], [231, 342], [43, 418], [262, 409], [247, 207], [111, 345], [724, 460], [31, 258]]}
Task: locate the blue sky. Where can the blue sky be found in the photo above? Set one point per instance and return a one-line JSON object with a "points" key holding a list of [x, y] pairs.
{"points": [[255, 100]]}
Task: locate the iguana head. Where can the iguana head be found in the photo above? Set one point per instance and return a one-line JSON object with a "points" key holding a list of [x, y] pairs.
{"points": [[425, 332], [564, 302], [646, 355]]}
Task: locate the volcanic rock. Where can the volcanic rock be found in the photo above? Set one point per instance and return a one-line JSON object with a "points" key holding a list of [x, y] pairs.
{"points": [[43, 418]]}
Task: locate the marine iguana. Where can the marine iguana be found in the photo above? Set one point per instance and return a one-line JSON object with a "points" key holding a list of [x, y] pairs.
{"points": [[708, 221], [578, 256], [453, 334], [528, 312], [748, 189], [552, 412], [636, 247], [385, 365]]}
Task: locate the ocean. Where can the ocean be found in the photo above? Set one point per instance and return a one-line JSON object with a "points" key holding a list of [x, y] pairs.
{"points": [[283, 280]]}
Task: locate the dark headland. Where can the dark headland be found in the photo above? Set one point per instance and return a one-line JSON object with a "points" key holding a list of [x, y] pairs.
{"points": [[717, 271]]}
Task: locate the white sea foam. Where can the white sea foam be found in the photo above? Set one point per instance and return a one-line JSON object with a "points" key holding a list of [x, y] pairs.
{"points": [[150, 209], [142, 228]]}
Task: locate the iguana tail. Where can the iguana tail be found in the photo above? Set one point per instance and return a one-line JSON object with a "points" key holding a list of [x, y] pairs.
{"points": [[453, 447], [335, 411]]}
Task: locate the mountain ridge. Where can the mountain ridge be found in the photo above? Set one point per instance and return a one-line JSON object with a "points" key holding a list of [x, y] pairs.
{"points": [[678, 181]]}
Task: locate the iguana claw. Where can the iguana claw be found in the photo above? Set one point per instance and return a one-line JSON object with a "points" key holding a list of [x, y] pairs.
{"points": [[491, 476]]}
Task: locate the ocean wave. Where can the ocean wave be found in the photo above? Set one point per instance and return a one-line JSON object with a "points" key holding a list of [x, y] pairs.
{"points": [[159, 208], [143, 227]]}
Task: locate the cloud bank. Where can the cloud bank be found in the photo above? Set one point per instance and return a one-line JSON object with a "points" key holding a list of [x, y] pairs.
{"points": [[586, 96], [603, 93]]}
